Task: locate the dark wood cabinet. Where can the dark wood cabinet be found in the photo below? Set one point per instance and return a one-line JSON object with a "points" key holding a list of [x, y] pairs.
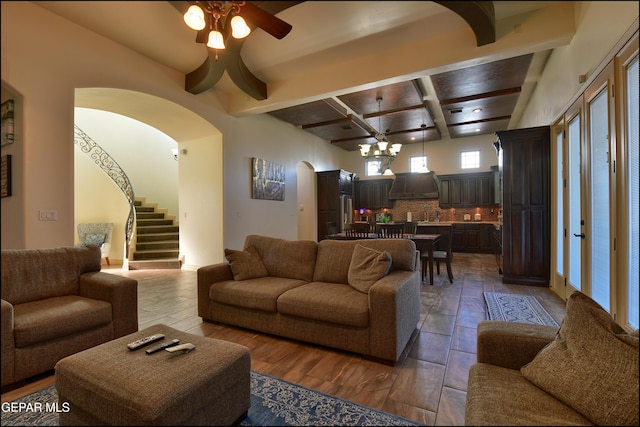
{"points": [[373, 194], [497, 185], [467, 190], [526, 205], [473, 237], [333, 187]]}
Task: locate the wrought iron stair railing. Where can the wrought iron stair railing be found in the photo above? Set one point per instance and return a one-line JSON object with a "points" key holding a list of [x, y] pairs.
{"points": [[108, 164]]}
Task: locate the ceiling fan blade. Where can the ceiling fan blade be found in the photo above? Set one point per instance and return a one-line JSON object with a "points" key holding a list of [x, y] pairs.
{"points": [[263, 19]]}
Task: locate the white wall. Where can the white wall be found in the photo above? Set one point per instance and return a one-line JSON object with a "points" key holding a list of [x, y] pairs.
{"points": [[443, 157], [47, 75], [143, 153], [600, 24]]}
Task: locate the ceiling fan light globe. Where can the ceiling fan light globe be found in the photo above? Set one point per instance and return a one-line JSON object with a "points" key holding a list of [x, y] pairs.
{"points": [[215, 40], [396, 147], [194, 18], [382, 145], [388, 172], [364, 149], [239, 27]]}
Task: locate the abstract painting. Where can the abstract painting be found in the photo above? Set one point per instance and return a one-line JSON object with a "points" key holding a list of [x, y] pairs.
{"points": [[268, 179]]}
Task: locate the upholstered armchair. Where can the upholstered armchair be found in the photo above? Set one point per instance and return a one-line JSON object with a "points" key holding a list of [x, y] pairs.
{"points": [[98, 234]]}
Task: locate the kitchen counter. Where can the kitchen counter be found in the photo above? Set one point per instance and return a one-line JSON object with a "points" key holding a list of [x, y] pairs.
{"points": [[456, 222], [468, 236]]}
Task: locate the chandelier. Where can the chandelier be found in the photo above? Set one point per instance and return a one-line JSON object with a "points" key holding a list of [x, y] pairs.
{"points": [[381, 151], [423, 168], [207, 15]]}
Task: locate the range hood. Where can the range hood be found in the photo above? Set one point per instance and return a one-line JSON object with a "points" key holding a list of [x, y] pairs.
{"points": [[414, 186]]}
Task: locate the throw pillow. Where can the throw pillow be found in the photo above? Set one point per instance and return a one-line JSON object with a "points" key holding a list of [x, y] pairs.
{"points": [[591, 366], [94, 239], [367, 267], [245, 264]]}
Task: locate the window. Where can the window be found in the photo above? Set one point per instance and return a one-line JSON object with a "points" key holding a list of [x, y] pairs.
{"points": [[418, 164], [470, 159], [629, 159], [372, 167]]}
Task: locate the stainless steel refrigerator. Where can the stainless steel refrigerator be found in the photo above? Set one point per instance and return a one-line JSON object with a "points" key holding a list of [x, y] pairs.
{"points": [[346, 210]]}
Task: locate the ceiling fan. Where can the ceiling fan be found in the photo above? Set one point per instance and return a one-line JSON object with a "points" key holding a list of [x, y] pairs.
{"points": [[222, 17]]}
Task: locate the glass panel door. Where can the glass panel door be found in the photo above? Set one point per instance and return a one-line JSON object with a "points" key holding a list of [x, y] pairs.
{"points": [[573, 203], [599, 234]]}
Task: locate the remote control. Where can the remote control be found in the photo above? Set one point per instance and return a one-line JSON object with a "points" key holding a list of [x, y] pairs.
{"points": [[162, 346], [144, 341], [182, 348]]}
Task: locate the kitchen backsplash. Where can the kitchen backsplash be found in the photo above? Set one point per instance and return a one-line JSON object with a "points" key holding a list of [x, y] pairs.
{"points": [[419, 209]]}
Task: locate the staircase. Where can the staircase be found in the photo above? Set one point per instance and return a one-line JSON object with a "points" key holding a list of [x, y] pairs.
{"points": [[157, 240]]}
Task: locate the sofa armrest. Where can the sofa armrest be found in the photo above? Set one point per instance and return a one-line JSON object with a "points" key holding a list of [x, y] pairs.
{"points": [[8, 344], [121, 292], [207, 276], [394, 312], [510, 344]]}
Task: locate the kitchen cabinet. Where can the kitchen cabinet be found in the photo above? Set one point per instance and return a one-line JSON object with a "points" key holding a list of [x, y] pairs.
{"points": [[467, 190], [373, 194], [473, 237], [526, 236], [497, 185], [334, 190]]}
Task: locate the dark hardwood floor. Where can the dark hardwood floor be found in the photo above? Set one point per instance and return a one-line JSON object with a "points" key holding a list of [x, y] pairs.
{"points": [[429, 385]]}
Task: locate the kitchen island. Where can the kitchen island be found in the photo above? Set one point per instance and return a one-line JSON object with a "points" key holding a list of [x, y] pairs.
{"points": [[468, 236]]}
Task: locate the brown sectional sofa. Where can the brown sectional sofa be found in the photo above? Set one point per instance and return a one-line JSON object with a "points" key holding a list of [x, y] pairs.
{"points": [[57, 302], [306, 295], [583, 373]]}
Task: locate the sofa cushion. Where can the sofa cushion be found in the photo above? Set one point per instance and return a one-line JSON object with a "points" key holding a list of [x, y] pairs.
{"points": [[53, 318], [292, 259], [327, 302], [592, 365], [260, 293], [334, 257], [94, 239], [367, 267], [245, 264], [498, 396]]}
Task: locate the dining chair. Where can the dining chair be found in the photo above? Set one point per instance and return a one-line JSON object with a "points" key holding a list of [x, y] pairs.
{"points": [[390, 231], [357, 230], [442, 252], [410, 228]]}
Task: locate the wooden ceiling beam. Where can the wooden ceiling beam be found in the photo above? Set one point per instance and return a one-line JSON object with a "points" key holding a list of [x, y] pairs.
{"points": [[482, 96], [393, 110], [348, 118]]}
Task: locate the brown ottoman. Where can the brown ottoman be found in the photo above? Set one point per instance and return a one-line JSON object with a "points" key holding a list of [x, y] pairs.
{"points": [[112, 385]]}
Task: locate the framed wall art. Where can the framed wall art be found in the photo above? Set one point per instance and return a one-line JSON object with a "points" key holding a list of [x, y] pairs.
{"points": [[7, 122], [5, 176], [267, 180]]}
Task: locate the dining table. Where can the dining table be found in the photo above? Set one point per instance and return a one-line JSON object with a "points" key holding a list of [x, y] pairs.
{"points": [[424, 243]]}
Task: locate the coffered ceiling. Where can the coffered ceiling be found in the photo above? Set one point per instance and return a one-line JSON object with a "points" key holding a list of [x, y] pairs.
{"points": [[473, 101], [429, 63]]}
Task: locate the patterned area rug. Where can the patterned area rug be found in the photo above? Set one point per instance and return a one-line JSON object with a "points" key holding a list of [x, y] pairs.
{"points": [[517, 308], [274, 402]]}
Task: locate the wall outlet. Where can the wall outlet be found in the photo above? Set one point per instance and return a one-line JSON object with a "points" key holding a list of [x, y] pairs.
{"points": [[48, 215]]}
